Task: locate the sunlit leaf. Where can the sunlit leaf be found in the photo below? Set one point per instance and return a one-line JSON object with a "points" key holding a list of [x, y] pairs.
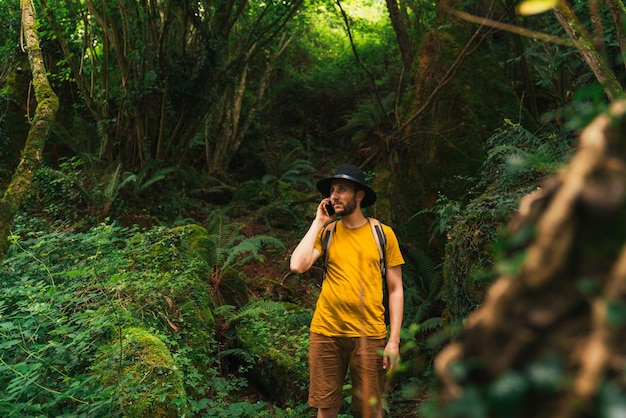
{"points": [[532, 7]]}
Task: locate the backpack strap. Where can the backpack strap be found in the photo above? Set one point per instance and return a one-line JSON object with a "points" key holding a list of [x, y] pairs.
{"points": [[381, 240], [327, 235]]}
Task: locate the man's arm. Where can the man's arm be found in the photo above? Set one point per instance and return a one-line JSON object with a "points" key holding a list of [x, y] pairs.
{"points": [[391, 357], [305, 254]]}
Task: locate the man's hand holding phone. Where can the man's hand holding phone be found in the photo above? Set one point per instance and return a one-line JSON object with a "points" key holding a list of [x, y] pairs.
{"points": [[327, 209]]}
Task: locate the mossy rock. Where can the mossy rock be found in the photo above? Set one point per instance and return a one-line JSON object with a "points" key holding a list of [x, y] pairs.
{"points": [[180, 283], [276, 335], [199, 245], [141, 364], [173, 291], [192, 303], [175, 275]]}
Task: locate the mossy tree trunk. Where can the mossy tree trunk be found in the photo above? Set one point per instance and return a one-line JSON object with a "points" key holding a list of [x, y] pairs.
{"points": [[47, 106], [585, 44], [547, 340]]}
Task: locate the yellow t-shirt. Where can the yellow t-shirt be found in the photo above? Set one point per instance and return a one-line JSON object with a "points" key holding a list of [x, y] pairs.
{"points": [[351, 301]]}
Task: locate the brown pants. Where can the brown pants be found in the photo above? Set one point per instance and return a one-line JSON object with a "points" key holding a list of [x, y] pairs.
{"points": [[329, 360]]}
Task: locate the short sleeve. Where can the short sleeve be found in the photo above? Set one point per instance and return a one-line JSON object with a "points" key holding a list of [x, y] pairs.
{"points": [[393, 254]]}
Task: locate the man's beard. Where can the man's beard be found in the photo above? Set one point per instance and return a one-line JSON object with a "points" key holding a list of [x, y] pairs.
{"points": [[348, 208]]}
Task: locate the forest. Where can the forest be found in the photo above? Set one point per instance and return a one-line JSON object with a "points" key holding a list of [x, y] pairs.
{"points": [[158, 162]]}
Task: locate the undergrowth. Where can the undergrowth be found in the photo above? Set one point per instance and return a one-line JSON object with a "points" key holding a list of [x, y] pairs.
{"points": [[517, 161], [70, 300]]}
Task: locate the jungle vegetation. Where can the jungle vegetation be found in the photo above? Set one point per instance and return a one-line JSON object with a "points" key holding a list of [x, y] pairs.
{"points": [[157, 166]]}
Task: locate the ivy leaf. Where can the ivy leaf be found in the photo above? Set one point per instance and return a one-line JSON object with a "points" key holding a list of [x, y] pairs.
{"points": [[533, 7]]}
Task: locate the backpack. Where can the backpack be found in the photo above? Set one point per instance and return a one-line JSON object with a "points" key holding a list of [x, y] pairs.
{"points": [[379, 238]]}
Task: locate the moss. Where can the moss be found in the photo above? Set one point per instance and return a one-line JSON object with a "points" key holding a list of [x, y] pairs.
{"points": [[167, 287], [188, 290], [199, 244], [141, 368], [276, 336], [200, 249]]}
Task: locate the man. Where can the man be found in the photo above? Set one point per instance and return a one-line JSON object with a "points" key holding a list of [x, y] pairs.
{"points": [[348, 328]]}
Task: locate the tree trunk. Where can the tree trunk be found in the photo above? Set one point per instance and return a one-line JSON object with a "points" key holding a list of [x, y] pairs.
{"points": [[47, 106], [585, 46], [233, 123], [617, 11], [399, 25], [547, 340]]}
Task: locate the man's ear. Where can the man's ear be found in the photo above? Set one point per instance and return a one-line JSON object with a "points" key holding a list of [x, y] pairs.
{"points": [[360, 195]]}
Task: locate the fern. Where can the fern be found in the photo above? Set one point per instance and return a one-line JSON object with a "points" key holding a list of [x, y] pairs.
{"points": [[225, 311], [232, 248], [430, 324], [258, 309], [369, 121], [248, 250], [143, 179], [240, 353], [423, 286], [443, 335], [111, 184], [99, 189], [292, 171]]}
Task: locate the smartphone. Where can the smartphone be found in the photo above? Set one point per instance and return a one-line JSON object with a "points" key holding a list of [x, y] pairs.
{"points": [[329, 209]]}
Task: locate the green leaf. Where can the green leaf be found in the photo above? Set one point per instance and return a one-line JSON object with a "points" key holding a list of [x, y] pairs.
{"points": [[469, 405], [7, 326], [9, 344]]}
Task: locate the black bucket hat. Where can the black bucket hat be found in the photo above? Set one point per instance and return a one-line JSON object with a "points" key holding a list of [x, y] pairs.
{"points": [[355, 175]]}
